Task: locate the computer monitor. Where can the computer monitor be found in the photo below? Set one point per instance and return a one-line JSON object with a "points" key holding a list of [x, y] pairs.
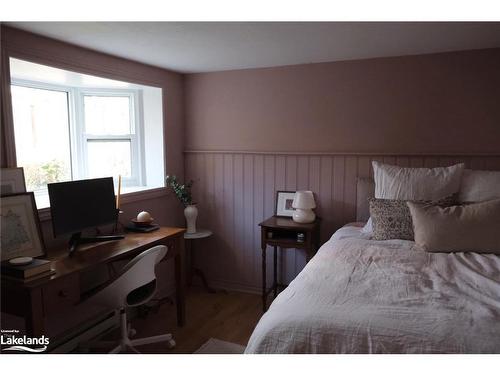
{"points": [[79, 205]]}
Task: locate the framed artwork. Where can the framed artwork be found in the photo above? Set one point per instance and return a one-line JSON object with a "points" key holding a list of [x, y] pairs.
{"points": [[20, 234], [12, 181], [284, 200]]}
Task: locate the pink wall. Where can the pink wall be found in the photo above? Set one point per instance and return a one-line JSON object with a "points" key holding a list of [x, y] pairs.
{"points": [[439, 103], [252, 132]]}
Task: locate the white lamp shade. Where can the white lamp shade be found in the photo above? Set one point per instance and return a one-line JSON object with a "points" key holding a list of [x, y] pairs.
{"points": [[304, 199]]}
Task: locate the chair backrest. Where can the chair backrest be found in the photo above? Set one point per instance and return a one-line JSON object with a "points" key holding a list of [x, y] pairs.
{"points": [[137, 273]]}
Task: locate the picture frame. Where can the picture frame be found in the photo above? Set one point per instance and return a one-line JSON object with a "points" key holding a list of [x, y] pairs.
{"points": [[284, 201], [20, 234], [12, 181]]}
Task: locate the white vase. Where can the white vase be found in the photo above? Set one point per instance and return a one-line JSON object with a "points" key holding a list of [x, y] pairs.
{"points": [[191, 212]]}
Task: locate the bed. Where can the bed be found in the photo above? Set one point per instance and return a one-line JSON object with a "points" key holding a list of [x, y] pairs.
{"points": [[363, 296]]}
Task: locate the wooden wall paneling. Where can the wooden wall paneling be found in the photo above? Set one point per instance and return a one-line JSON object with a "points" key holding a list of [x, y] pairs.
{"points": [[291, 184], [350, 188], [239, 215], [364, 166], [431, 162], [230, 255], [416, 162], [303, 183], [492, 163], [259, 217], [209, 205], [338, 190], [280, 184], [315, 182], [477, 163], [389, 160], [252, 255], [403, 161], [268, 206], [236, 191], [218, 218], [325, 196]]}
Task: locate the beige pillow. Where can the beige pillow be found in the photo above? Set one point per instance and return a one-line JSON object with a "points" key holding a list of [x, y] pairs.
{"points": [[393, 182], [391, 218], [479, 186], [473, 227]]}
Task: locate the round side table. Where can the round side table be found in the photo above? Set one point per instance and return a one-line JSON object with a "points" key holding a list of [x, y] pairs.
{"points": [[191, 238]]}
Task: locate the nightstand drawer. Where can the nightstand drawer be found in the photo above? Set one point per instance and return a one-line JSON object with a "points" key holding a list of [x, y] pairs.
{"points": [[61, 294]]}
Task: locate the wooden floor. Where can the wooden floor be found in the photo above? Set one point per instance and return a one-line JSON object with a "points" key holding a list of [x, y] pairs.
{"points": [[229, 316]]}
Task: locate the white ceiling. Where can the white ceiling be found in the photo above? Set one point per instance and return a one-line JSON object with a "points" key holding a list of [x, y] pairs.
{"points": [[191, 47]]}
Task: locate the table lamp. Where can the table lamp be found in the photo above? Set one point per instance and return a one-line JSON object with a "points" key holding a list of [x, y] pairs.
{"points": [[303, 204]]}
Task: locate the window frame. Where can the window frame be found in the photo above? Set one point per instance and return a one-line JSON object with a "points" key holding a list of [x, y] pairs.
{"points": [[78, 138], [135, 136]]}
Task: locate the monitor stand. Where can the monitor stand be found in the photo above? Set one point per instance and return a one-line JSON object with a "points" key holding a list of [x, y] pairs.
{"points": [[77, 239]]}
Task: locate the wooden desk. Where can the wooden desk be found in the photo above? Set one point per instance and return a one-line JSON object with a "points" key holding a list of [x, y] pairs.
{"points": [[282, 232], [36, 300]]}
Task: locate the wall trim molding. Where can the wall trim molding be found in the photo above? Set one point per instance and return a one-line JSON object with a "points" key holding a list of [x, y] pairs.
{"points": [[342, 153]]}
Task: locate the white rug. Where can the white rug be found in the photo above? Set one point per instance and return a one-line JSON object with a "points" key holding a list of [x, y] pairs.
{"points": [[216, 346]]}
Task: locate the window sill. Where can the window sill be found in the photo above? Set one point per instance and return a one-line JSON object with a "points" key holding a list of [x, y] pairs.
{"points": [[139, 194]]}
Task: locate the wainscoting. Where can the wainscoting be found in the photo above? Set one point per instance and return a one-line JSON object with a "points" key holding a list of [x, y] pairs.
{"points": [[235, 191]]}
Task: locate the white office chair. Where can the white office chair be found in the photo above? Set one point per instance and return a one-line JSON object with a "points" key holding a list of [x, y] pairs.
{"points": [[134, 285]]}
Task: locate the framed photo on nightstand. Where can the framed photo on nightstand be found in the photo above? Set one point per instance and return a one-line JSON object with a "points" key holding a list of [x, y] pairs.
{"points": [[284, 200]]}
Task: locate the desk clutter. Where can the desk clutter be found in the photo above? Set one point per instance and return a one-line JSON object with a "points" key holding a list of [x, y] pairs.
{"points": [[144, 223], [34, 269]]}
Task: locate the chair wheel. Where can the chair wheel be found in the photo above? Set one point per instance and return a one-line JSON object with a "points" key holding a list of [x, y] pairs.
{"points": [[132, 332], [171, 343]]}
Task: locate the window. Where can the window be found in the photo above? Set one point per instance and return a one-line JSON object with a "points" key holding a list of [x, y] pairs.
{"points": [[35, 111], [111, 133], [71, 130]]}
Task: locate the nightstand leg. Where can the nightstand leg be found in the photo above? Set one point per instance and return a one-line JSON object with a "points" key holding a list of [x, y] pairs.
{"points": [[264, 304], [275, 271]]}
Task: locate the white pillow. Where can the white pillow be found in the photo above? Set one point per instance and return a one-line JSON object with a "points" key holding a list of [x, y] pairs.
{"points": [[368, 228], [392, 182], [479, 186]]}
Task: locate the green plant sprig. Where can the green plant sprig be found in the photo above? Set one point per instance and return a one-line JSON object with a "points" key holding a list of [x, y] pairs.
{"points": [[182, 191]]}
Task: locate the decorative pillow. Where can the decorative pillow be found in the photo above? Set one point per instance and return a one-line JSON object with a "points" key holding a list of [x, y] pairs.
{"points": [[391, 218], [392, 182], [471, 227], [479, 186]]}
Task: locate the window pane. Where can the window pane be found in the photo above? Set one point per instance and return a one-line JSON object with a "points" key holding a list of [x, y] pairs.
{"points": [[41, 132], [107, 115], [109, 158]]}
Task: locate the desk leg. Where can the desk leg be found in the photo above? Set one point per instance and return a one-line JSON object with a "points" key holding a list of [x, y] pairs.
{"points": [[34, 314], [179, 283], [275, 271], [264, 295], [196, 271]]}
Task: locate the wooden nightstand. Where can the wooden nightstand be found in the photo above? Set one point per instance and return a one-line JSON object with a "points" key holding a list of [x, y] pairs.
{"points": [[283, 232]]}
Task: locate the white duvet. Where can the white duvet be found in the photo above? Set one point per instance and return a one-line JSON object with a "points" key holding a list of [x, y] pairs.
{"points": [[363, 296]]}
